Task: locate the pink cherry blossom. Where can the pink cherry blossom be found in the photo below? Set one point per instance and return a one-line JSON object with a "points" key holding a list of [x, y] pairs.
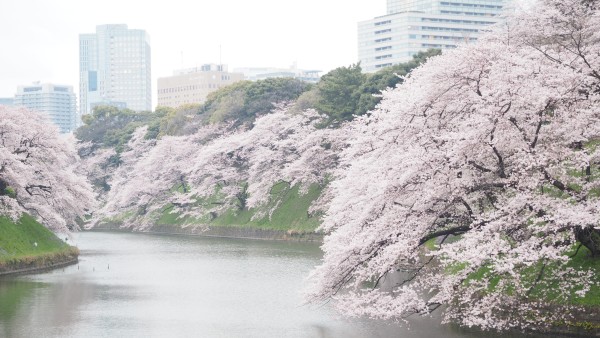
{"points": [[39, 165]]}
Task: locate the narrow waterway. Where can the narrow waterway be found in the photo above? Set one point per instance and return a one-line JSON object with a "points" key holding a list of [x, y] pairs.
{"points": [[137, 285]]}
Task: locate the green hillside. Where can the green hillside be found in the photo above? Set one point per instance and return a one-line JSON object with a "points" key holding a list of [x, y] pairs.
{"points": [[289, 212], [29, 245]]}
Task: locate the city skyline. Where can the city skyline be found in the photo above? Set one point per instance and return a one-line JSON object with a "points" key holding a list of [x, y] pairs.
{"points": [[44, 46]]}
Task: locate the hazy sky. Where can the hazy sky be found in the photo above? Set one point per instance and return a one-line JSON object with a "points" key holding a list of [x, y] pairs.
{"points": [[40, 38]]}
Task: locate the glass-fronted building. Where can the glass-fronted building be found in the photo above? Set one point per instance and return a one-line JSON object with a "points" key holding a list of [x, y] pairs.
{"points": [[58, 101], [114, 66], [417, 25]]}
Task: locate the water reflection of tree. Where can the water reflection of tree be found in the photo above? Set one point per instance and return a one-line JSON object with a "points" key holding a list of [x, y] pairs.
{"points": [[12, 295], [23, 302]]}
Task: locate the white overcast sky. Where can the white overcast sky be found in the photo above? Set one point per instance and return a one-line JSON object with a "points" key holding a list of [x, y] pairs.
{"points": [[39, 38]]}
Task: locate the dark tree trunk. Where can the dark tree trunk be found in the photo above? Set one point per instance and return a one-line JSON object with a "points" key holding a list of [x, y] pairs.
{"points": [[590, 238], [183, 185], [3, 186]]}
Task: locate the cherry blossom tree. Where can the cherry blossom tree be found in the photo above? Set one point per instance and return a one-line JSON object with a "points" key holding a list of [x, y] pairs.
{"points": [[98, 164], [474, 181], [232, 167], [37, 172]]}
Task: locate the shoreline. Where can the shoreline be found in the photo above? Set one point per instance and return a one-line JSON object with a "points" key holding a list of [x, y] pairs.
{"points": [[34, 270], [39, 263], [220, 232]]}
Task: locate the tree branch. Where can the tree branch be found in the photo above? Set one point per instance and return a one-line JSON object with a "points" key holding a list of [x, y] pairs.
{"points": [[501, 167], [537, 279], [480, 167], [549, 105], [30, 188], [557, 184], [451, 231]]}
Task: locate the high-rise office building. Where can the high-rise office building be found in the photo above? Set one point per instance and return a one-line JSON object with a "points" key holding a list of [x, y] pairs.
{"points": [[193, 85], [411, 26], [114, 68], [58, 101]]}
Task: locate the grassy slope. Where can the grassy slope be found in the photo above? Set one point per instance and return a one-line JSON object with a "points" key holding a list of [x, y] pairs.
{"points": [[17, 246], [291, 213], [583, 261], [582, 324]]}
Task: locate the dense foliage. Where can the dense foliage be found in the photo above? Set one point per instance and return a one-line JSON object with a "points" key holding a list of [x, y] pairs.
{"points": [[109, 126], [243, 101], [346, 92], [339, 92], [240, 103], [489, 156]]}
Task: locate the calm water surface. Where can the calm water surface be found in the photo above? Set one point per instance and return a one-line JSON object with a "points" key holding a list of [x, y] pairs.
{"points": [[136, 285]]}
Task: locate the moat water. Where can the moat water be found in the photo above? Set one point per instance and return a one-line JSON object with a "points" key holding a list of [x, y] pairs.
{"points": [[140, 285]]}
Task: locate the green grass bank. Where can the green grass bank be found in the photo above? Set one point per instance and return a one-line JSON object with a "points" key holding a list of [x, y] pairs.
{"points": [[27, 246], [286, 216]]}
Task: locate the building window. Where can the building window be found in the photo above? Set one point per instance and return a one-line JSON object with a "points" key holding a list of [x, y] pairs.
{"points": [[383, 48], [383, 40], [383, 31]]}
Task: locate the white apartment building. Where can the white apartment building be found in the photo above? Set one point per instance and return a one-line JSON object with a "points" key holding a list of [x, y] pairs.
{"points": [[411, 26], [192, 85], [58, 101], [114, 68]]}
